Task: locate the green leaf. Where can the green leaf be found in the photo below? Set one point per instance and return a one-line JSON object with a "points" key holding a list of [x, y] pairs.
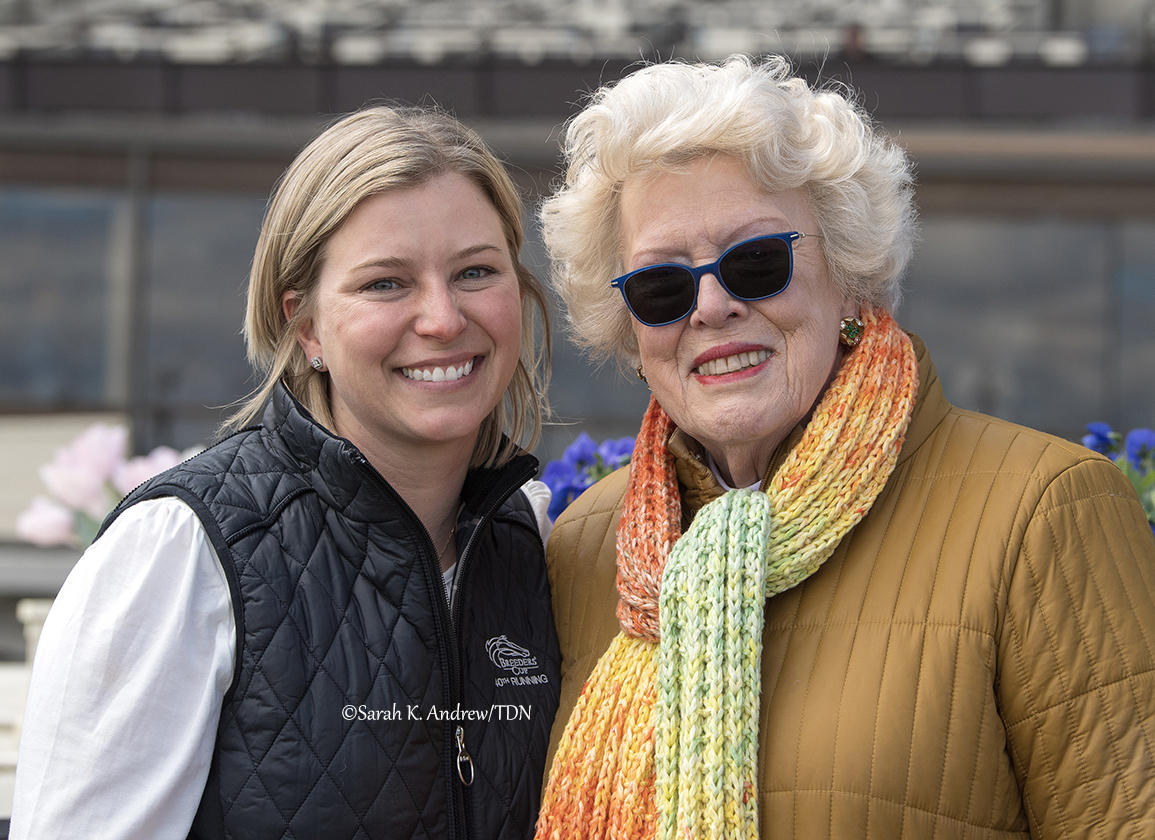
{"points": [[86, 529]]}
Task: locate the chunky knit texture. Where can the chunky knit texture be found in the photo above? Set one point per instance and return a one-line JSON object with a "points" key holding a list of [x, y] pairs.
{"points": [[664, 740]]}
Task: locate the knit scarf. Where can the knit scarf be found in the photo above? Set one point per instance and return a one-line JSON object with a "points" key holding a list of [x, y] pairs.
{"points": [[663, 741]]}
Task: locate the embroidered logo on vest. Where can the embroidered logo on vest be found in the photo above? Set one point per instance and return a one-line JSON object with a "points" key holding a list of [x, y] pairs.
{"points": [[513, 658], [510, 657]]}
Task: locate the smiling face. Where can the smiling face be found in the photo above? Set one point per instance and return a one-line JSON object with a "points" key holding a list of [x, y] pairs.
{"points": [[737, 376], [416, 318]]}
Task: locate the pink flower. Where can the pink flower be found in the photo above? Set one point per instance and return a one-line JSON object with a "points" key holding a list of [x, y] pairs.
{"points": [[102, 446], [79, 473], [45, 522], [134, 472], [84, 479]]}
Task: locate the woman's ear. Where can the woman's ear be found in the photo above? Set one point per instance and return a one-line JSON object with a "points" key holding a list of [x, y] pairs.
{"points": [[851, 308], [306, 335]]}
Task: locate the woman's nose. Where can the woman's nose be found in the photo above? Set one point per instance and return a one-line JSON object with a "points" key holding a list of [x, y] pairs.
{"points": [[715, 304], [440, 314]]}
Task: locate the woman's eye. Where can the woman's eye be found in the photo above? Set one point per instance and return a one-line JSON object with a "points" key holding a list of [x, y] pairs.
{"points": [[476, 272], [382, 285]]}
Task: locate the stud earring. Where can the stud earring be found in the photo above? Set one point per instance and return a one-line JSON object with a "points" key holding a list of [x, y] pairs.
{"points": [[850, 331], [316, 363]]}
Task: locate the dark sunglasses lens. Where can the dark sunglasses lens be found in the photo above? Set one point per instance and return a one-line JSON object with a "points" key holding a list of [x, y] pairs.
{"points": [[661, 294], [757, 269]]}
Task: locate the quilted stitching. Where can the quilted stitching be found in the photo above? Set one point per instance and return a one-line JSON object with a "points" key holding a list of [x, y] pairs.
{"points": [[337, 613], [977, 660]]}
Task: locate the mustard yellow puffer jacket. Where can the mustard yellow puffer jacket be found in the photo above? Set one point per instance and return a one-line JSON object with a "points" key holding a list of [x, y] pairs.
{"points": [[976, 660]]}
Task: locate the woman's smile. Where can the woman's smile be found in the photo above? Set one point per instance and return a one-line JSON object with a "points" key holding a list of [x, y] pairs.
{"points": [[440, 373], [715, 364]]}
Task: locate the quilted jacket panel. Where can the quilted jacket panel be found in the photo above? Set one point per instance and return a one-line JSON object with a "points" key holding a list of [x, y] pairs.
{"points": [[976, 660]]}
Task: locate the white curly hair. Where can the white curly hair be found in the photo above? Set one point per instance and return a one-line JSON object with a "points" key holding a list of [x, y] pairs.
{"points": [[858, 181]]}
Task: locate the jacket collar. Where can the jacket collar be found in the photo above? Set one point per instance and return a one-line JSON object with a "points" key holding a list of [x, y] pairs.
{"points": [[339, 471], [930, 407]]}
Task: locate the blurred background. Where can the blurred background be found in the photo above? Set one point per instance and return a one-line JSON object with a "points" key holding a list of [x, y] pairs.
{"points": [[140, 139]]}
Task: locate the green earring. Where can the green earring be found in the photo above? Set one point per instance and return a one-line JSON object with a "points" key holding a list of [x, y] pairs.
{"points": [[850, 331]]}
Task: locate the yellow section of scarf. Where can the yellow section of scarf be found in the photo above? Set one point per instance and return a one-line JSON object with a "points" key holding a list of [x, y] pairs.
{"points": [[663, 740]]}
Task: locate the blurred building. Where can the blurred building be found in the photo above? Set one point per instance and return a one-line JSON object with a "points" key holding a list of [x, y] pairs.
{"points": [[139, 141]]}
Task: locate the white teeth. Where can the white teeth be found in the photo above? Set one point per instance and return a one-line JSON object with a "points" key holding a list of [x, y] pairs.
{"points": [[733, 363], [437, 374]]}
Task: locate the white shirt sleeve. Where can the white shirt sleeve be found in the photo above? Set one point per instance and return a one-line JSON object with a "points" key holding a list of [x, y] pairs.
{"points": [[130, 672], [539, 496]]}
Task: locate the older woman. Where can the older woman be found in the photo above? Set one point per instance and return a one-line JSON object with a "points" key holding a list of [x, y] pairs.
{"points": [[821, 602], [312, 628]]}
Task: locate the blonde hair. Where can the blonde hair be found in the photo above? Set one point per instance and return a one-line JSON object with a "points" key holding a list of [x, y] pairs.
{"points": [[858, 181], [369, 152]]}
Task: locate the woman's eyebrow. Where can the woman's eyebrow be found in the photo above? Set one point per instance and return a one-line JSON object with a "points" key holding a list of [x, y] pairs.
{"points": [[405, 262]]}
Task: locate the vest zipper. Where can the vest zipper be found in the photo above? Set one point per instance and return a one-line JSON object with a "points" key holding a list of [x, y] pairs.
{"points": [[512, 483], [459, 801], [464, 760]]}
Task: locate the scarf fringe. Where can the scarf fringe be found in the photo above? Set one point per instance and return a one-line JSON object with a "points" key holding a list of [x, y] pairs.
{"points": [[709, 672], [607, 750]]}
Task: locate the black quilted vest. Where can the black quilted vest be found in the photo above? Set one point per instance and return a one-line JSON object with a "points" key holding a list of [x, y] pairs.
{"points": [[360, 705]]}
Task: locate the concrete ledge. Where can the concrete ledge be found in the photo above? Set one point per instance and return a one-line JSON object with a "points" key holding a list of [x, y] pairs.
{"points": [[29, 571]]}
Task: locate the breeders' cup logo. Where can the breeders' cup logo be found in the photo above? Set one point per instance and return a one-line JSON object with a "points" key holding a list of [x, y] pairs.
{"points": [[510, 657]]}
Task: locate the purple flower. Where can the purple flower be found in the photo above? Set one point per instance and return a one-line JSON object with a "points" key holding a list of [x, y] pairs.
{"points": [[1101, 438], [1134, 454], [616, 453], [581, 453], [562, 498], [1140, 447], [563, 482], [581, 465]]}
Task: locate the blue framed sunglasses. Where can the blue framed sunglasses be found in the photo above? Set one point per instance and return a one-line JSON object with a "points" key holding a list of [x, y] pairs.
{"points": [[751, 270]]}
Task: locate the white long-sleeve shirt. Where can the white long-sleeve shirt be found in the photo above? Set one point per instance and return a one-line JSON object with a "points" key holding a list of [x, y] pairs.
{"points": [[130, 673]]}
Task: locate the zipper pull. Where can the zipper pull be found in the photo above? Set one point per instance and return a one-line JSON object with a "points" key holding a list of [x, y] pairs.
{"points": [[463, 759]]}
